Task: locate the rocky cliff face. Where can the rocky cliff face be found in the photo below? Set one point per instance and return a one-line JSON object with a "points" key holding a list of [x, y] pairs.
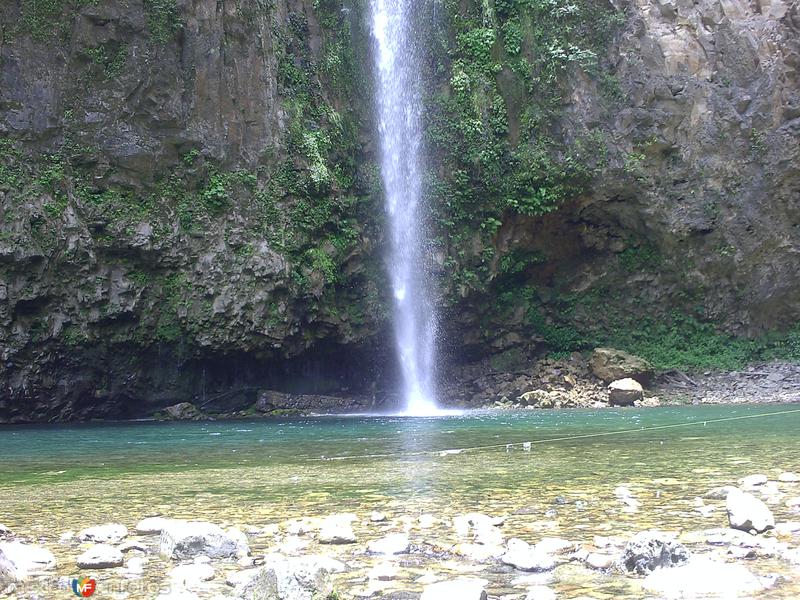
{"points": [[191, 206]]}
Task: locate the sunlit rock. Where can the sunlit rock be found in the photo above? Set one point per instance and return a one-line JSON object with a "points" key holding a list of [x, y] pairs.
{"points": [[746, 512], [650, 550], [110, 533], [100, 556]]}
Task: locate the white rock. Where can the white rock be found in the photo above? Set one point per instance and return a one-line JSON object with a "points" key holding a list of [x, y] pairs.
{"points": [[478, 552], [135, 565], [377, 517], [395, 543], [746, 512], [624, 392], [540, 592], [100, 556], [242, 545], [521, 555], [152, 525], [191, 575], [753, 480], [27, 559], [427, 521], [182, 540], [788, 477], [465, 588], [703, 578], [337, 529], [110, 533], [596, 560]]}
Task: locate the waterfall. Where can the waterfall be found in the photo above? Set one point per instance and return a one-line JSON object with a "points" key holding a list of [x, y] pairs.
{"points": [[400, 129]]}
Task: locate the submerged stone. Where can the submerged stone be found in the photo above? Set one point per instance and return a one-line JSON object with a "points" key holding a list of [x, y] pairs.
{"points": [[110, 533]]}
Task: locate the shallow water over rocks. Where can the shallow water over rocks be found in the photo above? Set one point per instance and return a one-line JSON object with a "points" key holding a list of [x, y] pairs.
{"points": [[278, 481]]}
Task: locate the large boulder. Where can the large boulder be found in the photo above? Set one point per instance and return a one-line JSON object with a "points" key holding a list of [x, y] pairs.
{"points": [[625, 392], [111, 533], [704, 578], [183, 411], [101, 556], [650, 550], [610, 364], [464, 588], [182, 540], [26, 559], [746, 512], [282, 578]]}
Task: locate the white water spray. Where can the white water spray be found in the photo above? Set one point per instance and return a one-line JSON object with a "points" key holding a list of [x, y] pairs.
{"points": [[400, 129]]}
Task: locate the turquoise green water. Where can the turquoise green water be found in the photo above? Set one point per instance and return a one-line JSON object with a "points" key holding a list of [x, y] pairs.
{"points": [[58, 478]]}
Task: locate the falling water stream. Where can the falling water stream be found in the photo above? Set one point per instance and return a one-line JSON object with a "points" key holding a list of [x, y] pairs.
{"points": [[400, 129]]}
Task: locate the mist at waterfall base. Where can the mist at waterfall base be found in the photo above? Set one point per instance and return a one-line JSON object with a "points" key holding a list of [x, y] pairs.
{"points": [[399, 116]]}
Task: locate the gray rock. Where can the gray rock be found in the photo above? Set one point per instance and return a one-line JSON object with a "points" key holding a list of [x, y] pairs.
{"points": [[521, 555], [650, 550], [464, 588], [746, 512], [183, 411], [181, 540], [719, 493], [110, 533], [610, 364], [395, 543], [704, 578], [101, 556], [8, 572], [284, 578], [27, 559], [624, 392]]}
